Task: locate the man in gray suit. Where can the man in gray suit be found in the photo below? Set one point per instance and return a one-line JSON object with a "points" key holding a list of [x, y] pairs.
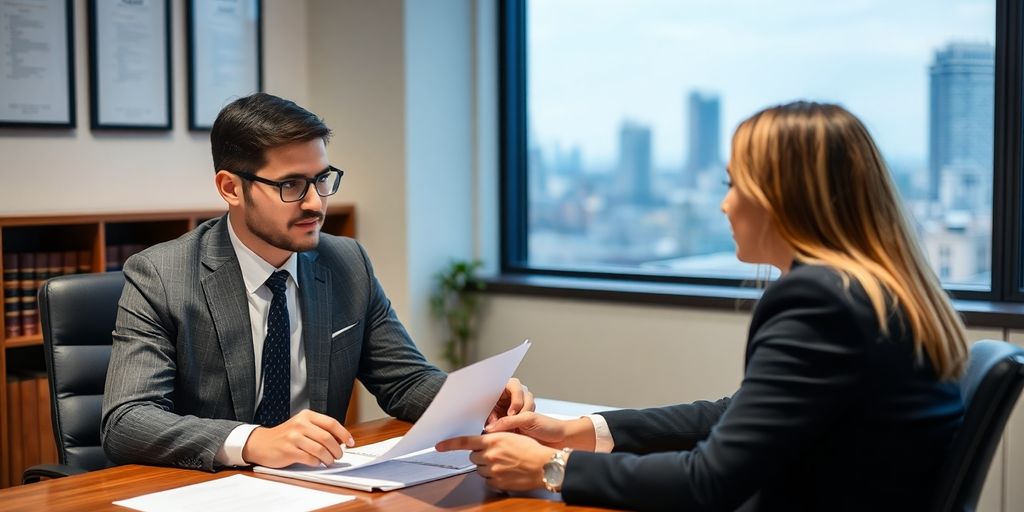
{"points": [[239, 342]]}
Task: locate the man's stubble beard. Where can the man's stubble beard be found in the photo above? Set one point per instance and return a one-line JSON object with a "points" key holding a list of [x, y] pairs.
{"points": [[278, 240]]}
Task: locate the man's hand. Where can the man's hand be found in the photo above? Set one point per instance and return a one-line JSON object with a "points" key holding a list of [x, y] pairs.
{"points": [[514, 399], [577, 434], [508, 462], [308, 438]]}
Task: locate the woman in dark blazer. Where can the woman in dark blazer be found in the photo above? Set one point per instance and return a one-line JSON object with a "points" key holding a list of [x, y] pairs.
{"points": [[848, 400]]}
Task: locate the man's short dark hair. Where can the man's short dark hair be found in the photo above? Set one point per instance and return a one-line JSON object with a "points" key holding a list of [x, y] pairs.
{"points": [[249, 126]]}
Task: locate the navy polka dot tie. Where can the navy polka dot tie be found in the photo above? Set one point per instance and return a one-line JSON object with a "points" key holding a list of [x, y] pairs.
{"points": [[275, 407]]}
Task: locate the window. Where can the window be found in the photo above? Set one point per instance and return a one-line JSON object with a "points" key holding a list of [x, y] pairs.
{"points": [[618, 117]]}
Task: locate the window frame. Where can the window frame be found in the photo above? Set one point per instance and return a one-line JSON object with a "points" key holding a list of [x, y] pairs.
{"points": [[1007, 274]]}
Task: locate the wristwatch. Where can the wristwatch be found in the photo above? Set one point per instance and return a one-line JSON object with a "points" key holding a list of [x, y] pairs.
{"points": [[553, 473]]}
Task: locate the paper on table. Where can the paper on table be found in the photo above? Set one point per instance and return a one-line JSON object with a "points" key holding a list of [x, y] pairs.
{"points": [[460, 408], [365, 471], [236, 492]]}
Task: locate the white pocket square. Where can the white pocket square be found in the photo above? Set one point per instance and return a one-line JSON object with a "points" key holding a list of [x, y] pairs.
{"points": [[336, 333]]}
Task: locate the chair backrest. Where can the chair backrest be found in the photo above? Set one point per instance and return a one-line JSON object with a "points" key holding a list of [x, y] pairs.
{"points": [[78, 314], [990, 387]]}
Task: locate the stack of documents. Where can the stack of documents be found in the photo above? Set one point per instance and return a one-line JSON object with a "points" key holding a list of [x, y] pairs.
{"points": [[460, 409], [365, 469]]}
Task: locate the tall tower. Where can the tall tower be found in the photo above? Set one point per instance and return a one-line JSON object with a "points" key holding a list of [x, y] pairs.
{"points": [[962, 90], [704, 136], [635, 162]]}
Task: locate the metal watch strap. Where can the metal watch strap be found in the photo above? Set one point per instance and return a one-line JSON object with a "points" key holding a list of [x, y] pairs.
{"points": [[558, 458]]}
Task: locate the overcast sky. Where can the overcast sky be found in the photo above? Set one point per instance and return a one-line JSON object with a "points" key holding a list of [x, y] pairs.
{"points": [[593, 63]]}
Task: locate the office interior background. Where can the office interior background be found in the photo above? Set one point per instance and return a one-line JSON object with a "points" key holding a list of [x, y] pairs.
{"points": [[629, 110]]}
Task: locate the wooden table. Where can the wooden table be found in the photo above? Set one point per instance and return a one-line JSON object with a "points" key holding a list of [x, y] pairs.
{"points": [[98, 489]]}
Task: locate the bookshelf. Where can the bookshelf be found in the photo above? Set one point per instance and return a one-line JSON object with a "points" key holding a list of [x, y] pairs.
{"points": [[36, 248]]}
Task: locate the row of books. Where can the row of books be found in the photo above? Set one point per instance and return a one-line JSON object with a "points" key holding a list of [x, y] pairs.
{"points": [[24, 273], [118, 254], [29, 426]]}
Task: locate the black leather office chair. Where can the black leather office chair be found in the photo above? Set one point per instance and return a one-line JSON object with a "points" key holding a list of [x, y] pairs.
{"points": [[995, 375], [78, 314]]}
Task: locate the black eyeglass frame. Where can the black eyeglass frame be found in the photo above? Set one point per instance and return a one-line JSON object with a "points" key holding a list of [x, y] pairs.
{"points": [[309, 181]]}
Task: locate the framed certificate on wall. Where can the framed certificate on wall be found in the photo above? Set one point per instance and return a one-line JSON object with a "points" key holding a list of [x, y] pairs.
{"points": [[130, 64], [37, 64], [224, 56]]}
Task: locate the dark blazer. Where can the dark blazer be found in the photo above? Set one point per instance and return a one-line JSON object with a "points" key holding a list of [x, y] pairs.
{"points": [[831, 415], [182, 370]]}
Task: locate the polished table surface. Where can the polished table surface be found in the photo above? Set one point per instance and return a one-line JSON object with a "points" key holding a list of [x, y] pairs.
{"points": [[98, 489]]}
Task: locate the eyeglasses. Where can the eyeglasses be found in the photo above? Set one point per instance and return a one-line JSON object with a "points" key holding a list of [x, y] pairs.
{"points": [[294, 189]]}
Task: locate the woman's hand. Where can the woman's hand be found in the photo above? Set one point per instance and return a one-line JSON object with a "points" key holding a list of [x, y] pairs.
{"points": [[515, 398], [507, 461], [577, 434]]}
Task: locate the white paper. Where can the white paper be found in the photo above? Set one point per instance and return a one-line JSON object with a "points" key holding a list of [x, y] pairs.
{"points": [[460, 408], [463, 404], [364, 468], [236, 492]]}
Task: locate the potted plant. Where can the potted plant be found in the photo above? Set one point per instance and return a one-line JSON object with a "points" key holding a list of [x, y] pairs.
{"points": [[455, 303]]}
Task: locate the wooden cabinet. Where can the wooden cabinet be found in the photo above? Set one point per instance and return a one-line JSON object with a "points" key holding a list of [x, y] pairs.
{"points": [[36, 248]]}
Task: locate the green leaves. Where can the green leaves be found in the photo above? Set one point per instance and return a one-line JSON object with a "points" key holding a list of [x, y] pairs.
{"points": [[455, 303]]}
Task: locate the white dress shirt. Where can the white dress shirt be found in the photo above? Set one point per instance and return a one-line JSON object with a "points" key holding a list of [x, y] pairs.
{"points": [[602, 434], [255, 272]]}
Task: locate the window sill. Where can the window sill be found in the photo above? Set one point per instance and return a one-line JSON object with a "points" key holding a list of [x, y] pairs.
{"points": [[976, 313]]}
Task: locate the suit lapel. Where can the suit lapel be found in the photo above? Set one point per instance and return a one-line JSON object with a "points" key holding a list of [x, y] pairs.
{"points": [[225, 297], [315, 304]]}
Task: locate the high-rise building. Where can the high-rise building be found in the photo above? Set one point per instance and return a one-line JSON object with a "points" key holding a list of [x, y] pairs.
{"points": [[703, 136], [962, 90], [635, 163]]}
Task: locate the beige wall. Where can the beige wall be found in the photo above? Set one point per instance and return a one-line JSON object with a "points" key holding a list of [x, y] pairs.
{"points": [[51, 171], [356, 83], [615, 353]]}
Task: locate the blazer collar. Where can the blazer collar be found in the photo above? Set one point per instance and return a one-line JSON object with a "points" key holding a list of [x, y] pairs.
{"points": [[224, 290]]}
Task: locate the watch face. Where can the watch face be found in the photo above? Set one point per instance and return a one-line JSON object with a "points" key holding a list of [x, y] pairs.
{"points": [[554, 473]]}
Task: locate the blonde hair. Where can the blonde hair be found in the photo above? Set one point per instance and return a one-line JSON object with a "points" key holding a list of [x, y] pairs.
{"points": [[817, 171]]}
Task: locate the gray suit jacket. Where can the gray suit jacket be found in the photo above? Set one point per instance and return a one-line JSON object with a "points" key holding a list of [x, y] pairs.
{"points": [[182, 370]]}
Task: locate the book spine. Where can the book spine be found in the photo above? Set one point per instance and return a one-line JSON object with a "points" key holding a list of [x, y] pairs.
{"points": [[12, 296], [113, 263], [29, 313], [69, 262], [54, 265], [84, 262]]}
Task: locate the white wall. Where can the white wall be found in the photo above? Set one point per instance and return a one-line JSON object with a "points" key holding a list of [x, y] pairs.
{"points": [[440, 138], [76, 171], [394, 80]]}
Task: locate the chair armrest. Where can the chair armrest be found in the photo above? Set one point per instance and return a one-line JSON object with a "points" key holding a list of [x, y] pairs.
{"points": [[40, 471]]}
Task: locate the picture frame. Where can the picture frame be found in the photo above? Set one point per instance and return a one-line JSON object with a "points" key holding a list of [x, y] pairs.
{"points": [[225, 55], [130, 65], [37, 64]]}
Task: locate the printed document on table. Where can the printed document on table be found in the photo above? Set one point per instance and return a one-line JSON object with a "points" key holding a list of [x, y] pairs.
{"points": [[366, 470], [460, 409], [236, 492]]}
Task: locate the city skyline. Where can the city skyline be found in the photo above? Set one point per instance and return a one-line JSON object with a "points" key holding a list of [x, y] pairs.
{"points": [[643, 55], [666, 219]]}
